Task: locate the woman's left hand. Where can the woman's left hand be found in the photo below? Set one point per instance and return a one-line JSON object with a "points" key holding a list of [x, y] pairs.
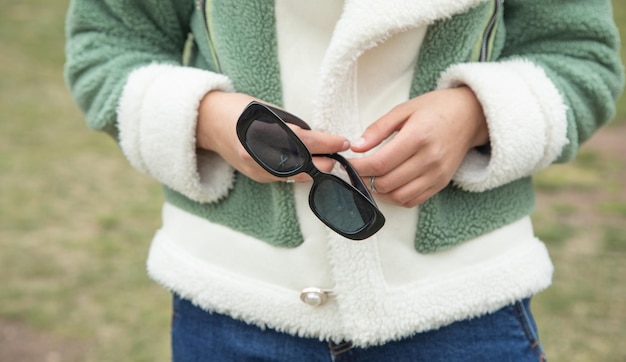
{"points": [[434, 133]]}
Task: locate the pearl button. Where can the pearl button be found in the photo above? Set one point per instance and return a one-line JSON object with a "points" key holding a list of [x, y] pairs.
{"points": [[313, 296]]}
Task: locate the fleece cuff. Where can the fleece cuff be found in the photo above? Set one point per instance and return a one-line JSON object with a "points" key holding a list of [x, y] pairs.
{"points": [[157, 119], [526, 117]]}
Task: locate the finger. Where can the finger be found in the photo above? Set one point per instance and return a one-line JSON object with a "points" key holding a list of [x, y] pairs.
{"points": [[410, 195], [297, 178], [421, 198], [403, 174], [412, 182], [397, 151], [324, 164], [381, 129], [320, 142]]}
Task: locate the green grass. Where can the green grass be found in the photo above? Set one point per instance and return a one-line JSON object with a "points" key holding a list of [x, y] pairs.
{"points": [[76, 220]]}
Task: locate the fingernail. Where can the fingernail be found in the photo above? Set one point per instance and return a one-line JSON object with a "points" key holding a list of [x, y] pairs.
{"points": [[346, 145], [359, 143]]}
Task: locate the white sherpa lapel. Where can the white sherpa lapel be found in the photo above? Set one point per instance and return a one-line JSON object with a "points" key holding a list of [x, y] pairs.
{"points": [[363, 25]]}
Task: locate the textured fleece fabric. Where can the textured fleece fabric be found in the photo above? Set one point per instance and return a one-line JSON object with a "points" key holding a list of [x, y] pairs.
{"points": [[550, 80], [575, 63]]}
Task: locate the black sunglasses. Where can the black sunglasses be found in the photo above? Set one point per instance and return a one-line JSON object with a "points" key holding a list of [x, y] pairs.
{"points": [[349, 210]]}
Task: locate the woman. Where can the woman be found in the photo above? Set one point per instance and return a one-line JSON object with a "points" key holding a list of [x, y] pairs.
{"points": [[445, 111]]}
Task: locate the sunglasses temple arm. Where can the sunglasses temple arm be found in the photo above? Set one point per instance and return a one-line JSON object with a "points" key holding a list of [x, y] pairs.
{"points": [[288, 117], [355, 179]]}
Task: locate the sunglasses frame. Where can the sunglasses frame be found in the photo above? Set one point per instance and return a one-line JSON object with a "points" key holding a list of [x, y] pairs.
{"points": [[249, 115]]}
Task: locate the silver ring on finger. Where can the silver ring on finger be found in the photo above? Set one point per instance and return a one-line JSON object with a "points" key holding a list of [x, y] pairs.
{"points": [[373, 184]]}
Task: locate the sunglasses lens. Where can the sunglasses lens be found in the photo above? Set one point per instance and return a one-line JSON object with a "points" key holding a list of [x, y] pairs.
{"points": [[273, 146], [344, 208]]}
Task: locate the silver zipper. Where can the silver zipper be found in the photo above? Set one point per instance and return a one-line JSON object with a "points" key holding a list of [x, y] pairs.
{"points": [[487, 34]]}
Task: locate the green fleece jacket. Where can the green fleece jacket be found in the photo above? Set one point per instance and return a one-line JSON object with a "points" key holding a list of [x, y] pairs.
{"points": [[559, 59]]}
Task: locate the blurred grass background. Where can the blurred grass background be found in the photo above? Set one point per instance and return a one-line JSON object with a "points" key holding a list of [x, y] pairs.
{"points": [[76, 221]]}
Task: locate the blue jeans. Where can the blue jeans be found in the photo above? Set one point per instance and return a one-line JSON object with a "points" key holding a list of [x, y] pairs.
{"points": [[509, 334]]}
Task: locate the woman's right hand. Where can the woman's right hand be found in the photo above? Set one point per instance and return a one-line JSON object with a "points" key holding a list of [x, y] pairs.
{"points": [[216, 132]]}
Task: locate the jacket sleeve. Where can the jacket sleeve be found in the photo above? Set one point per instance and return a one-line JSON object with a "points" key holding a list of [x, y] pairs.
{"points": [[554, 83], [124, 70]]}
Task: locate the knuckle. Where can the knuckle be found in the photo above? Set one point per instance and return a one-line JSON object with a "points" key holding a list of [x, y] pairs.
{"points": [[382, 185], [244, 155], [438, 153], [436, 160], [412, 203], [378, 166], [398, 198]]}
